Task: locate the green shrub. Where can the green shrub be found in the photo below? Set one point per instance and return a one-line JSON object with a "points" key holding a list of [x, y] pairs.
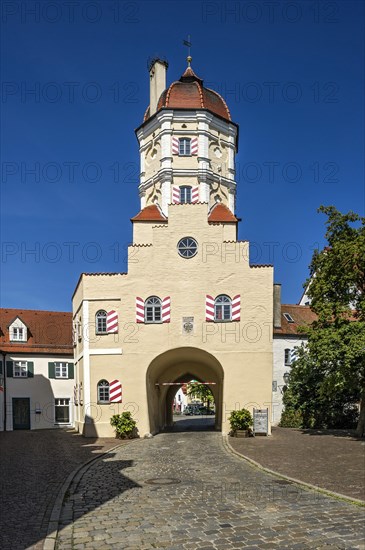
{"points": [[125, 426], [240, 420], [291, 419]]}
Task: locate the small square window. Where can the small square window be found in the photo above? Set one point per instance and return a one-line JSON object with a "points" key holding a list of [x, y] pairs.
{"points": [[20, 369], [184, 147], [18, 334], [61, 370]]}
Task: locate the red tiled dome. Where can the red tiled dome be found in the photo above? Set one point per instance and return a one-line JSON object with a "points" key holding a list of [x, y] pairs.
{"points": [[189, 93]]}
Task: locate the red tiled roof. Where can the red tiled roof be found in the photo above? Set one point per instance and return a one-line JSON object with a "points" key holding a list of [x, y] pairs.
{"points": [[49, 332], [189, 93], [221, 213], [302, 316], [149, 214]]}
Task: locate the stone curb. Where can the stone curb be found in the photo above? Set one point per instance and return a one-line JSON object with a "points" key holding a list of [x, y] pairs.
{"points": [[52, 530], [304, 484]]}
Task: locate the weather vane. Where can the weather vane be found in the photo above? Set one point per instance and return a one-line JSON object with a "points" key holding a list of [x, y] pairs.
{"points": [[188, 44]]}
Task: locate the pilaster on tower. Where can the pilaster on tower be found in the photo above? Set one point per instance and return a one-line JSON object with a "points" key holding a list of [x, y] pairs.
{"points": [[187, 143]]}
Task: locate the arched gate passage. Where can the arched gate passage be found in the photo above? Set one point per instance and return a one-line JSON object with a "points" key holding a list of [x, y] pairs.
{"points": [[178, 365]]}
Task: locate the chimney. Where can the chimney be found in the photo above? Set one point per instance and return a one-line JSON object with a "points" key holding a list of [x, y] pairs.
{"points": [[277, 305], [157, 68]]}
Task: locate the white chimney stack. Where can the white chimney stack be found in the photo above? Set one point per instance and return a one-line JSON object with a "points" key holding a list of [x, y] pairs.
{"points": [[157, 69]]}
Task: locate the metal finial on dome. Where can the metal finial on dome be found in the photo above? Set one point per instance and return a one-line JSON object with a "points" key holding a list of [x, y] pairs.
{"points": [[189, 60]]}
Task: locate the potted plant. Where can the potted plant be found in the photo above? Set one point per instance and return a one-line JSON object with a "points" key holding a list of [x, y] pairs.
{"points": [[125, 426], [241, 422]]}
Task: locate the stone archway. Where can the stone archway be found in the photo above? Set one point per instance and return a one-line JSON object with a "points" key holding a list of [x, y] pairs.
{"points": [[177, 365]]}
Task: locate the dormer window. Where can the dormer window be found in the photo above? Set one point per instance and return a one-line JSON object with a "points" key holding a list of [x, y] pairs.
{"points": [[184, 147], [17, 334], [17, 331]]}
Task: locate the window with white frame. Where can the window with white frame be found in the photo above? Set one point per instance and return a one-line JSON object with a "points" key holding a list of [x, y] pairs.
{"points": [[100, 319], [153, 310], [103, 391], [18, 334], [184, 147], [61, 370], [287, 356], [222, 308], [20, 369], [62, 411], [185, 194]]}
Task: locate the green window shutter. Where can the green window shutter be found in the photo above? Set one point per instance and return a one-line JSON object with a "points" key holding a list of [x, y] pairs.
{"points": [[9, 369], [51, 370], [70, 370], [30, 366]]}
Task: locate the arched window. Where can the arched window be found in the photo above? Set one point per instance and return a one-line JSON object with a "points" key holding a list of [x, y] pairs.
{"points": [[222, 308], [100, 322], [185, 194], [103, 391], [153, 310], [184, 147]]}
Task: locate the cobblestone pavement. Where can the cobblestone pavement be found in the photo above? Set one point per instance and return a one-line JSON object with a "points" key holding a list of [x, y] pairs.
{"points": [[331, 459], [183, 490], [33, 467]]}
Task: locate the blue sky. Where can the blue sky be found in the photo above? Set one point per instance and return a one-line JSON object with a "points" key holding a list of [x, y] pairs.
{"points": [[292, 75]]}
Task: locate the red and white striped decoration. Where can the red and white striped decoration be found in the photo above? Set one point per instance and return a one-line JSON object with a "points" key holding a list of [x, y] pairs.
{"points": [[166, 309], [195, 194], [76, 401], [175, 195], [139, 310], [209, 308], [80, 394], [115, 391], [236, 308], [194, 146], [112, 321], [175, 146]]}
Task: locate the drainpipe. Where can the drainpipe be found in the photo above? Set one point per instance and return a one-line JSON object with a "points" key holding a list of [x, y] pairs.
{"points": [[3, 353]]}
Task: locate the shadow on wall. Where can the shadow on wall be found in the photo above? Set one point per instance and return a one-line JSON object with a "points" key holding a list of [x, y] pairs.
{"points": [[35, 464]]}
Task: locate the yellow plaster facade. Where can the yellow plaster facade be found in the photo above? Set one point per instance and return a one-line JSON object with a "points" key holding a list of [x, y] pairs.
{"points": [[234, 355]]}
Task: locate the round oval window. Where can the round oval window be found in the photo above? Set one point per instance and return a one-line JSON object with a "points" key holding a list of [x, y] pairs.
{"points": [[187, 247]]}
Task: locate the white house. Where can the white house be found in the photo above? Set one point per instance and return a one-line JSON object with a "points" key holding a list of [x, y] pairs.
{"points": [[36, 369], [287, 319]]}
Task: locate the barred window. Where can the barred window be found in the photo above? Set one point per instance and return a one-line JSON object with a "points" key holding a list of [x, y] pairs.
{"points": [[153, 310], [103, 391], [100, 321], [222, 308]]}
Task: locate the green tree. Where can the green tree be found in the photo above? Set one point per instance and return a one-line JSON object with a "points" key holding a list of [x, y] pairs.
{"points": [[201, 392], [328, 377]]}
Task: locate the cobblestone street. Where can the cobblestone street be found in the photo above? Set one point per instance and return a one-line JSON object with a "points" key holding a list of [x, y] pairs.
{"points": [[34, 465], [185, 490]]}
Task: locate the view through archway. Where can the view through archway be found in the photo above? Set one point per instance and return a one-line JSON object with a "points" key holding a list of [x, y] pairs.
{"points": [[167, 375]]}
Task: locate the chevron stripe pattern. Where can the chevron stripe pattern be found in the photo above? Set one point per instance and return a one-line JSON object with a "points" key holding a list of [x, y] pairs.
{"points": [[293, 355], [236, 308], [175, 195], [115, 391], [194, 146], [139, 310], [175, 146], [209, 308], [166, 310], [195, 194], [111, 322]]}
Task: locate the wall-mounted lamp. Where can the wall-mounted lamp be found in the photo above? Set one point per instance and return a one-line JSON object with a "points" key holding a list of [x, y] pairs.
{"points": [[286, 377]]}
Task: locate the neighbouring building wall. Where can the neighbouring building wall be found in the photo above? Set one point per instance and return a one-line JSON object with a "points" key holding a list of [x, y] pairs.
{"points": [[282, 365]]}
